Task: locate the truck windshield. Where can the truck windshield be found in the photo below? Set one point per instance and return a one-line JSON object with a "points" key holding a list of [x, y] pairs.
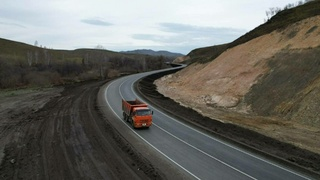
{"points": [[143, 112]]}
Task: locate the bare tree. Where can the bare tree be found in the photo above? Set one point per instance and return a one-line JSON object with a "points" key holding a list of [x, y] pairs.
{"points": [[29, 58], [102, 73], [86, 59], [144, 64], [47, 57], [289, 6], [99, 46], [268, 15], [272, 11], [36, 57]]}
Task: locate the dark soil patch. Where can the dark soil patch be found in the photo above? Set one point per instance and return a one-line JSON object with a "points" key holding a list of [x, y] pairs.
{"points": [[69, 139]]}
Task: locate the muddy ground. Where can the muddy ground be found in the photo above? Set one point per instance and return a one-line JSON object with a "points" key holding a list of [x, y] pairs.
{"points": [[66, 138]]}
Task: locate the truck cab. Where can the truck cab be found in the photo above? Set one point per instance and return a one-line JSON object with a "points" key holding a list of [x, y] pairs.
{"points": [[142, 117], [137, 113]]}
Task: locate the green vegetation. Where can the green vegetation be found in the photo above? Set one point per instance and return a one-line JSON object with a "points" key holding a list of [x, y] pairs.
{"points": [[206, 54], [294, 76], [281, 20], [312, 29], [10, 92], [23, 65]]}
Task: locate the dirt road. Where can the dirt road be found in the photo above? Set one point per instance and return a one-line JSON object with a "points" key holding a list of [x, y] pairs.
{"points": [[68, 139]]}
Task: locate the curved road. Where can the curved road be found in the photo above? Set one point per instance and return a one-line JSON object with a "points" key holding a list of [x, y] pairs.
{"points": [[194, 153]]}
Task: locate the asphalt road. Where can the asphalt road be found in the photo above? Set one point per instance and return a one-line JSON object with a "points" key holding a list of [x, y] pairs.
{"points": [[190, 151]]}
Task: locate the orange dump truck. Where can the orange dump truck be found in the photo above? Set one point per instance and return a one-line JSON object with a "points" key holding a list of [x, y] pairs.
{"points": [[137, 113]]}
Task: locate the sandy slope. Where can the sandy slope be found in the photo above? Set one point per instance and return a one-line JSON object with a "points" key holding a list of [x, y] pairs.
{"points": [[217, 89]]}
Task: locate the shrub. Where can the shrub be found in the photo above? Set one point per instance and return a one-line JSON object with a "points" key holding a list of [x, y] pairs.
{"points": [[89, 75], [10, 75], [113, 73], [10, 81], [44, 78]]}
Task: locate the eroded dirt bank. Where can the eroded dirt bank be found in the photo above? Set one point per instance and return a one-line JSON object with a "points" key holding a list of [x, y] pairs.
{"points": [[270, 85], [66, 138], [229, 131]]}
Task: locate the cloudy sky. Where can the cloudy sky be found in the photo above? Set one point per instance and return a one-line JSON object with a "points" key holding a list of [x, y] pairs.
{"points": [[173, 25]]}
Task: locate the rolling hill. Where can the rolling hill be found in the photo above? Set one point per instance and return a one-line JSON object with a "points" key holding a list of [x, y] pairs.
{"points": [[23, 65]]}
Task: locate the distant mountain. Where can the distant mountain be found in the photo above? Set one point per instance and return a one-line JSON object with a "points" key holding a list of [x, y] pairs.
{"points": [[153, 53]]}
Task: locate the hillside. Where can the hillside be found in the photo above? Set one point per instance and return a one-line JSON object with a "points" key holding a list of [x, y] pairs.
{"points": [[26, 65], [268, 82], [281, 20], [19, 51]]}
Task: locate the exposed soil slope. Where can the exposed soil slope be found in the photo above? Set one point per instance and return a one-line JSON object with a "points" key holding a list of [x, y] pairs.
{"points": [[232, 133], [269, 84]]}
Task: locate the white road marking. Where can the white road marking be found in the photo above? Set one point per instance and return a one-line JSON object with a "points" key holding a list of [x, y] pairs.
{"points": [[142, 137], [233, 147]]}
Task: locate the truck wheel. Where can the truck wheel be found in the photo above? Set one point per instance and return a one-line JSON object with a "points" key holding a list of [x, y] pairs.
{"points": [[124, 116], [132, 124]]}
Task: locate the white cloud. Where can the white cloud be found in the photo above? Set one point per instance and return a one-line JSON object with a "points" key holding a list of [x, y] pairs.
{"points": [[12, 24], [96, 22], [179, 35], [179, 25]]}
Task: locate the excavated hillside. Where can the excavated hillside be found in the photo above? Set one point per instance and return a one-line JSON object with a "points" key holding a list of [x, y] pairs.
{"points": [[270, 84]]}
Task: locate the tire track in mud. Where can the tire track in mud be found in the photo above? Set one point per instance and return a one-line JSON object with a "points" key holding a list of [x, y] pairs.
{"points": [[69, 139]]}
